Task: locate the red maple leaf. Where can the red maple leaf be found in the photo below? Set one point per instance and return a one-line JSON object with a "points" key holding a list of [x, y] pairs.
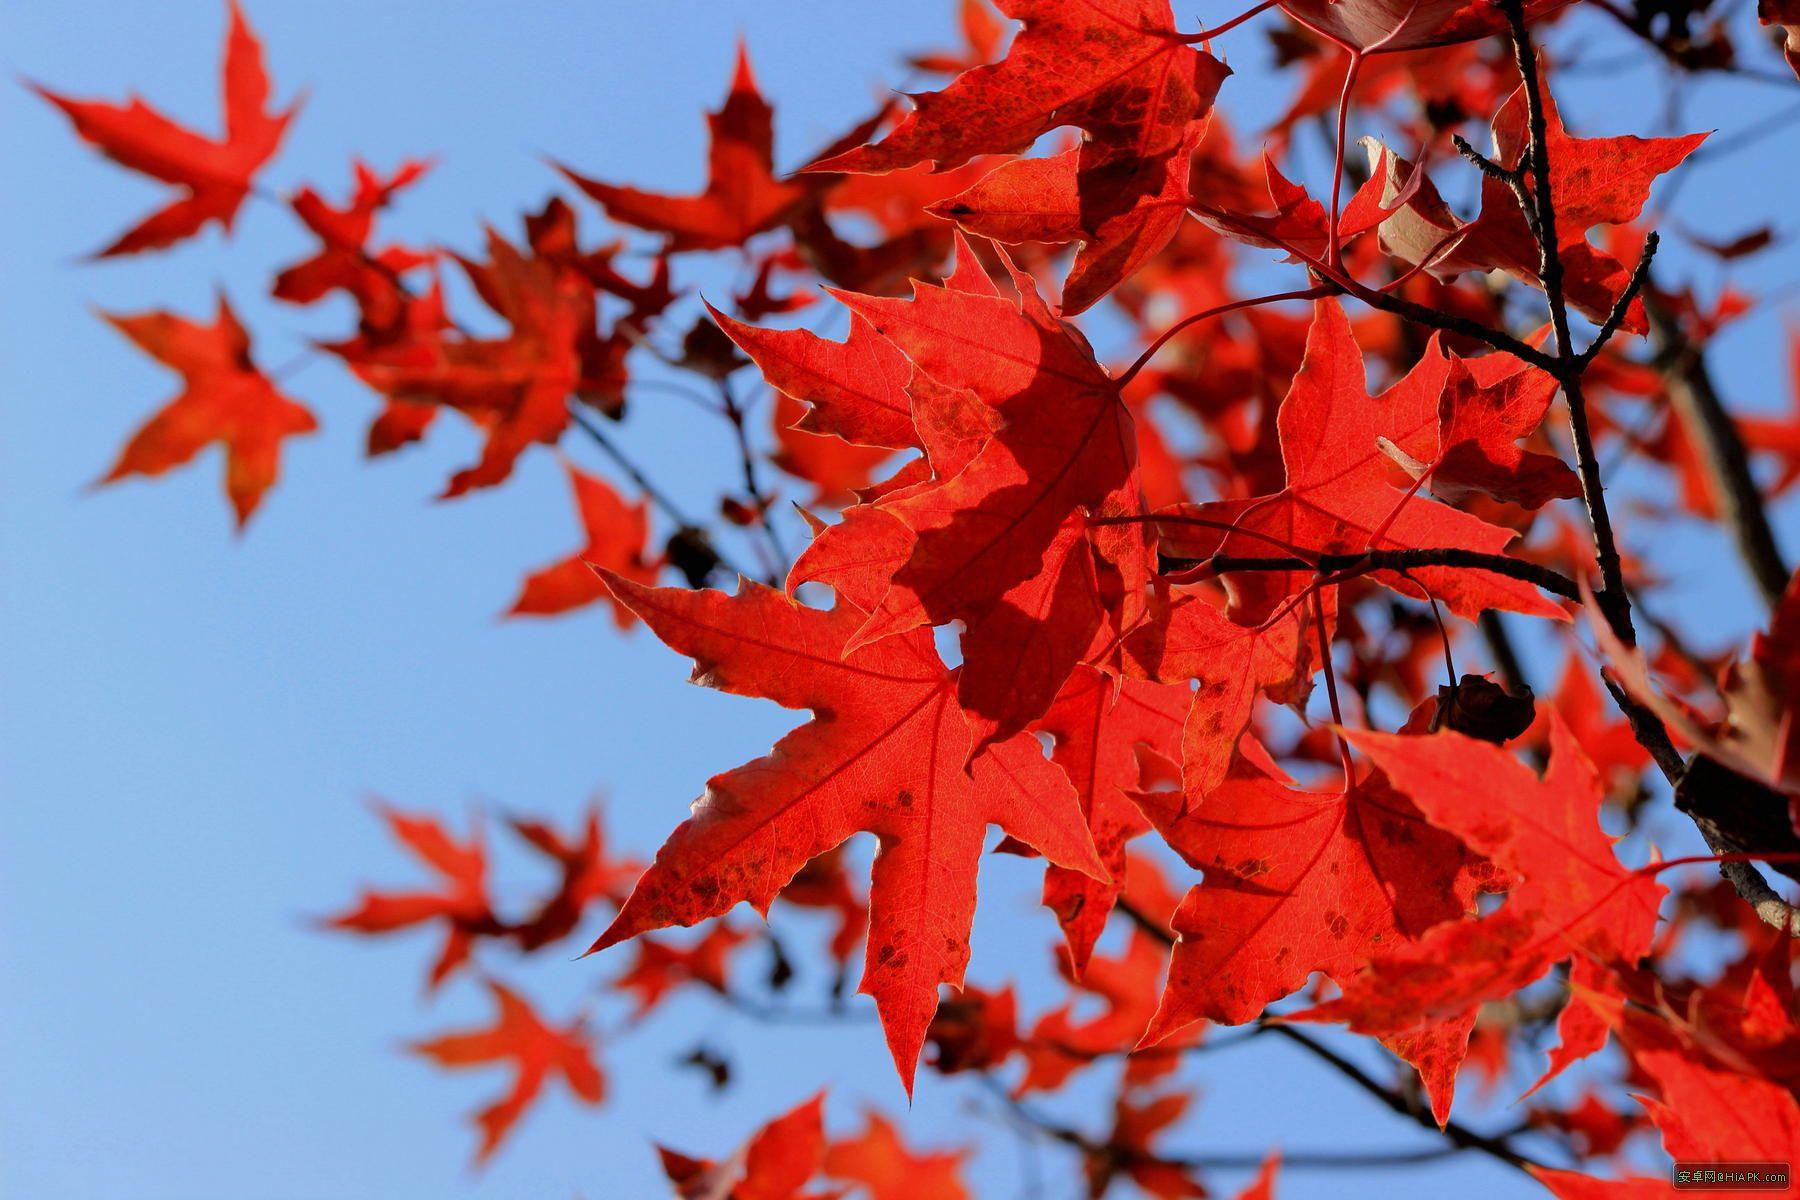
{"points": [[1116, 68], [742, 197], [1546, 832], [775, 1164], [879, 1162], [1005, 539], [1593, 181], [885, 753], [855, 389], [1127, 1150], [1062, 1042], [836, 468], [1232, 664], [1297, 882], [1125, 217], [589, 873], [460, 902], [1572, 894], [216, 174], [1340, 497], [344, 260], [616, 533], [224, 399], [515, 388], [1099, 725], [536, 1051], [662, 966]]}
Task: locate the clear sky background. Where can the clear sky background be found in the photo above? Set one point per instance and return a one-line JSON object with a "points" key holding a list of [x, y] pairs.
{"points": [[192, 721]]}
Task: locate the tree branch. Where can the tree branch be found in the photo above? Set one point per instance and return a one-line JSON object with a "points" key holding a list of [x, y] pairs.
{"points": [[1614, 603], [1721, 447], [1391, 560]]}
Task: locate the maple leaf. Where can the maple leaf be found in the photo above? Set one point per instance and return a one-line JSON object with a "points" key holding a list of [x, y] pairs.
{"points": [[536, 1051], [742, 197], [1297, 882], [1130, 209], [1232, 664], [1581, 1027], [981, 32], [516, 388], [216, 174], [589, 873], [1488, 406], [1007, 542], [1338, 496], [1298, 224], [1546, 832], [879, 1163], [1116, 68], [616, 533], [1127, 1152], [1127, 985], [974, 1030], [885, 754], [661, 967], [224, 399], [775, 1164], [461, 902], [824, 883], [1598, 1127], [1099, 725], [1574, 897], [1593, 181], [855, 389], [1708, 1110], [344, 261]]}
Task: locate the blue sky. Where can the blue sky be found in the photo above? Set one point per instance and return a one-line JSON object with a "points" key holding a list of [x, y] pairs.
{"points": [[192, 720]]}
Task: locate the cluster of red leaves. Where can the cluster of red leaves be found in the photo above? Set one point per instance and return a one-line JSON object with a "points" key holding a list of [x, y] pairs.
{"points": [[480, 932], [1143, 563]]}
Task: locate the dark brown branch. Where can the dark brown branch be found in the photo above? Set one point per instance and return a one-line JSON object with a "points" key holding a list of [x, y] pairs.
{"points": [[1639, 276], [1431, 318], [1614, 603], [1482, 162], [1715, 434], [1744, 878], [1506, 656], [1461, 1136], [1394, 560]]}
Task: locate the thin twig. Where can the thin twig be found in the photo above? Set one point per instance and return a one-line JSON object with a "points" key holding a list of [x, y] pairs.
{"points": [[651, 492], [752, 485], [1460, 1135], [1639, 276]]}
